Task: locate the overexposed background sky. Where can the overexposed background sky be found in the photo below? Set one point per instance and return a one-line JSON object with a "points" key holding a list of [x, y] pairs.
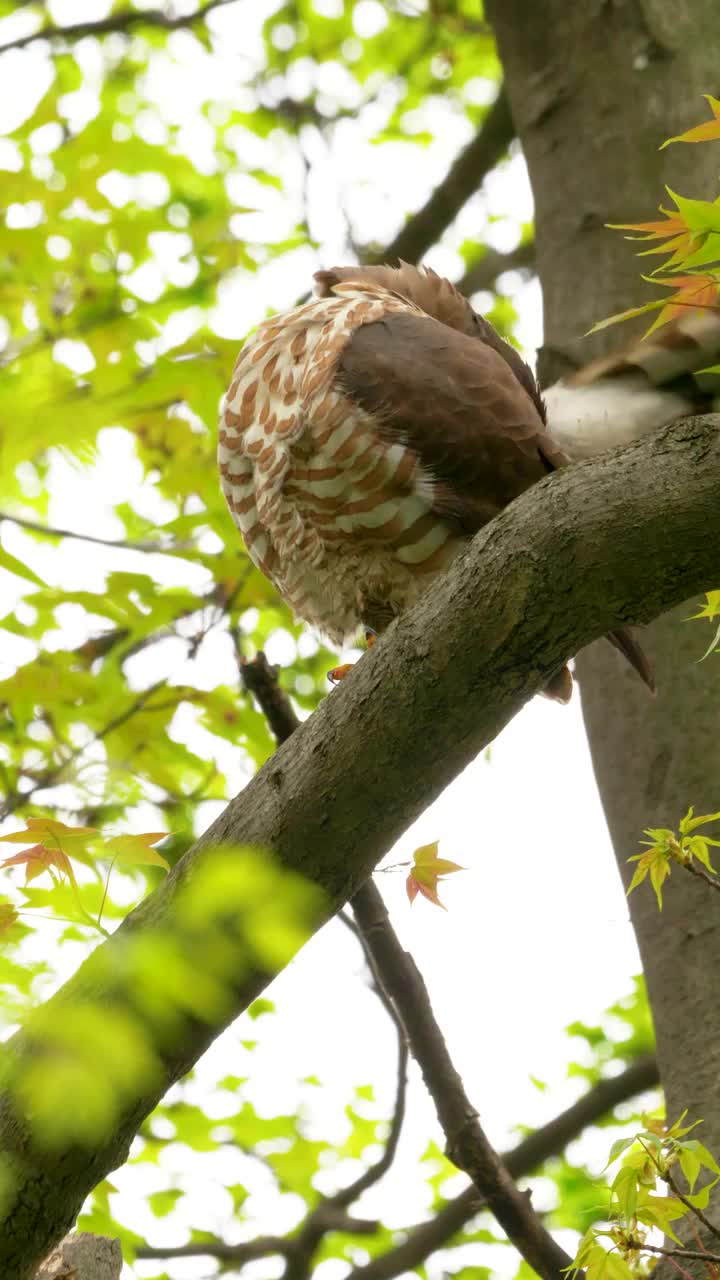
{"points": [[537, 930]]}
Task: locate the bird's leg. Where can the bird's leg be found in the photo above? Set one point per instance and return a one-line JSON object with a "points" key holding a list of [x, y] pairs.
{"points": [[335, 674]]}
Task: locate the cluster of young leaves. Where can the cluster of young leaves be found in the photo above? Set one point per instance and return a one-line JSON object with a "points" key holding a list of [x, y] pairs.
{"points": [[100, 187], [688, 235], [685, 847], [639, 1205], [51, 848], [116, 247]]}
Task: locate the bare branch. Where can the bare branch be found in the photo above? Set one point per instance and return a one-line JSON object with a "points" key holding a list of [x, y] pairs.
{"points": [[464, 177], [485, 272], [700, 1255], [245, 1251], [424, 1239], [260, 679], [702, 874], [549, 1140], [118, 22], [51, 531], [693, 1208], [467, 1144], [331, 1211]]}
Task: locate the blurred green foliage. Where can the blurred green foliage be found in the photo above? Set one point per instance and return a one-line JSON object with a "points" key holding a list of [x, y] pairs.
{"points": [[127, 224]]}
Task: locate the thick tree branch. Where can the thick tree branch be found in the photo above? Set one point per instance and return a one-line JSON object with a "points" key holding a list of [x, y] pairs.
{"points": [[620, 538], [465, 176], [118, 22]]}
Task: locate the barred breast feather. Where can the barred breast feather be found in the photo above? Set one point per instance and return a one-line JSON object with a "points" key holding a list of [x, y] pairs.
{"points": [[336, 516]]}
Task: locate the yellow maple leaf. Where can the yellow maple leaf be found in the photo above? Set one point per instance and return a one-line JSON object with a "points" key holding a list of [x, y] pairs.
{"points": [[692, 293], [674, 224], [708, 131], [137, 849], [427, 869]]}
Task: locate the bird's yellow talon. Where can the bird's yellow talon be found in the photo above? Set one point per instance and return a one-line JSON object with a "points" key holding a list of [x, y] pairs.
{"points": [[335, 674]]}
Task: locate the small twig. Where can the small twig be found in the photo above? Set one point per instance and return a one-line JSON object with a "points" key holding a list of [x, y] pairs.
{"points": [[51, 531], [667, 1177], [105, 892], [683, 1271], [246, 1251], [119, 22], [216, 598], [698, 1213], [702, 874], [696, 1254]]}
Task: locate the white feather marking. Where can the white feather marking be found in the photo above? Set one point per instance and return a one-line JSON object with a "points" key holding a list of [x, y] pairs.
{"points": [[418, 552], [610, 412]]}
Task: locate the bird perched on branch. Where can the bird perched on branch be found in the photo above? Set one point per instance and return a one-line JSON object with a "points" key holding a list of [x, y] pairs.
{"points": [[368, 434]]}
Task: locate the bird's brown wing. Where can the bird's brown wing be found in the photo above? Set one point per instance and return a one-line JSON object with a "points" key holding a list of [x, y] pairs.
{"points": [[476, 426], [458, 404]]}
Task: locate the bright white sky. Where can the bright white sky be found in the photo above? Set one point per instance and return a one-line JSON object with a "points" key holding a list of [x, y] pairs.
{"points": [[537, 930]]}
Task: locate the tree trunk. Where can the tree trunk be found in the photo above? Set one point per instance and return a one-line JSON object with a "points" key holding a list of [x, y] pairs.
{"points": [[595, 87]]}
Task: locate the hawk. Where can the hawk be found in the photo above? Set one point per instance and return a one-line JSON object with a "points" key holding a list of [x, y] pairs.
{"points": [[369, 433]]}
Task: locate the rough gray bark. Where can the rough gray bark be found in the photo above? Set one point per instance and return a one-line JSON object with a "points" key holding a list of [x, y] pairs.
{"points": [[595, 87], [619, 538], [83, 1257]]}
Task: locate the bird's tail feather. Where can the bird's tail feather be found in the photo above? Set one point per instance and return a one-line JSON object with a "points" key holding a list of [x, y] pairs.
{"points": [[624, 640]]}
